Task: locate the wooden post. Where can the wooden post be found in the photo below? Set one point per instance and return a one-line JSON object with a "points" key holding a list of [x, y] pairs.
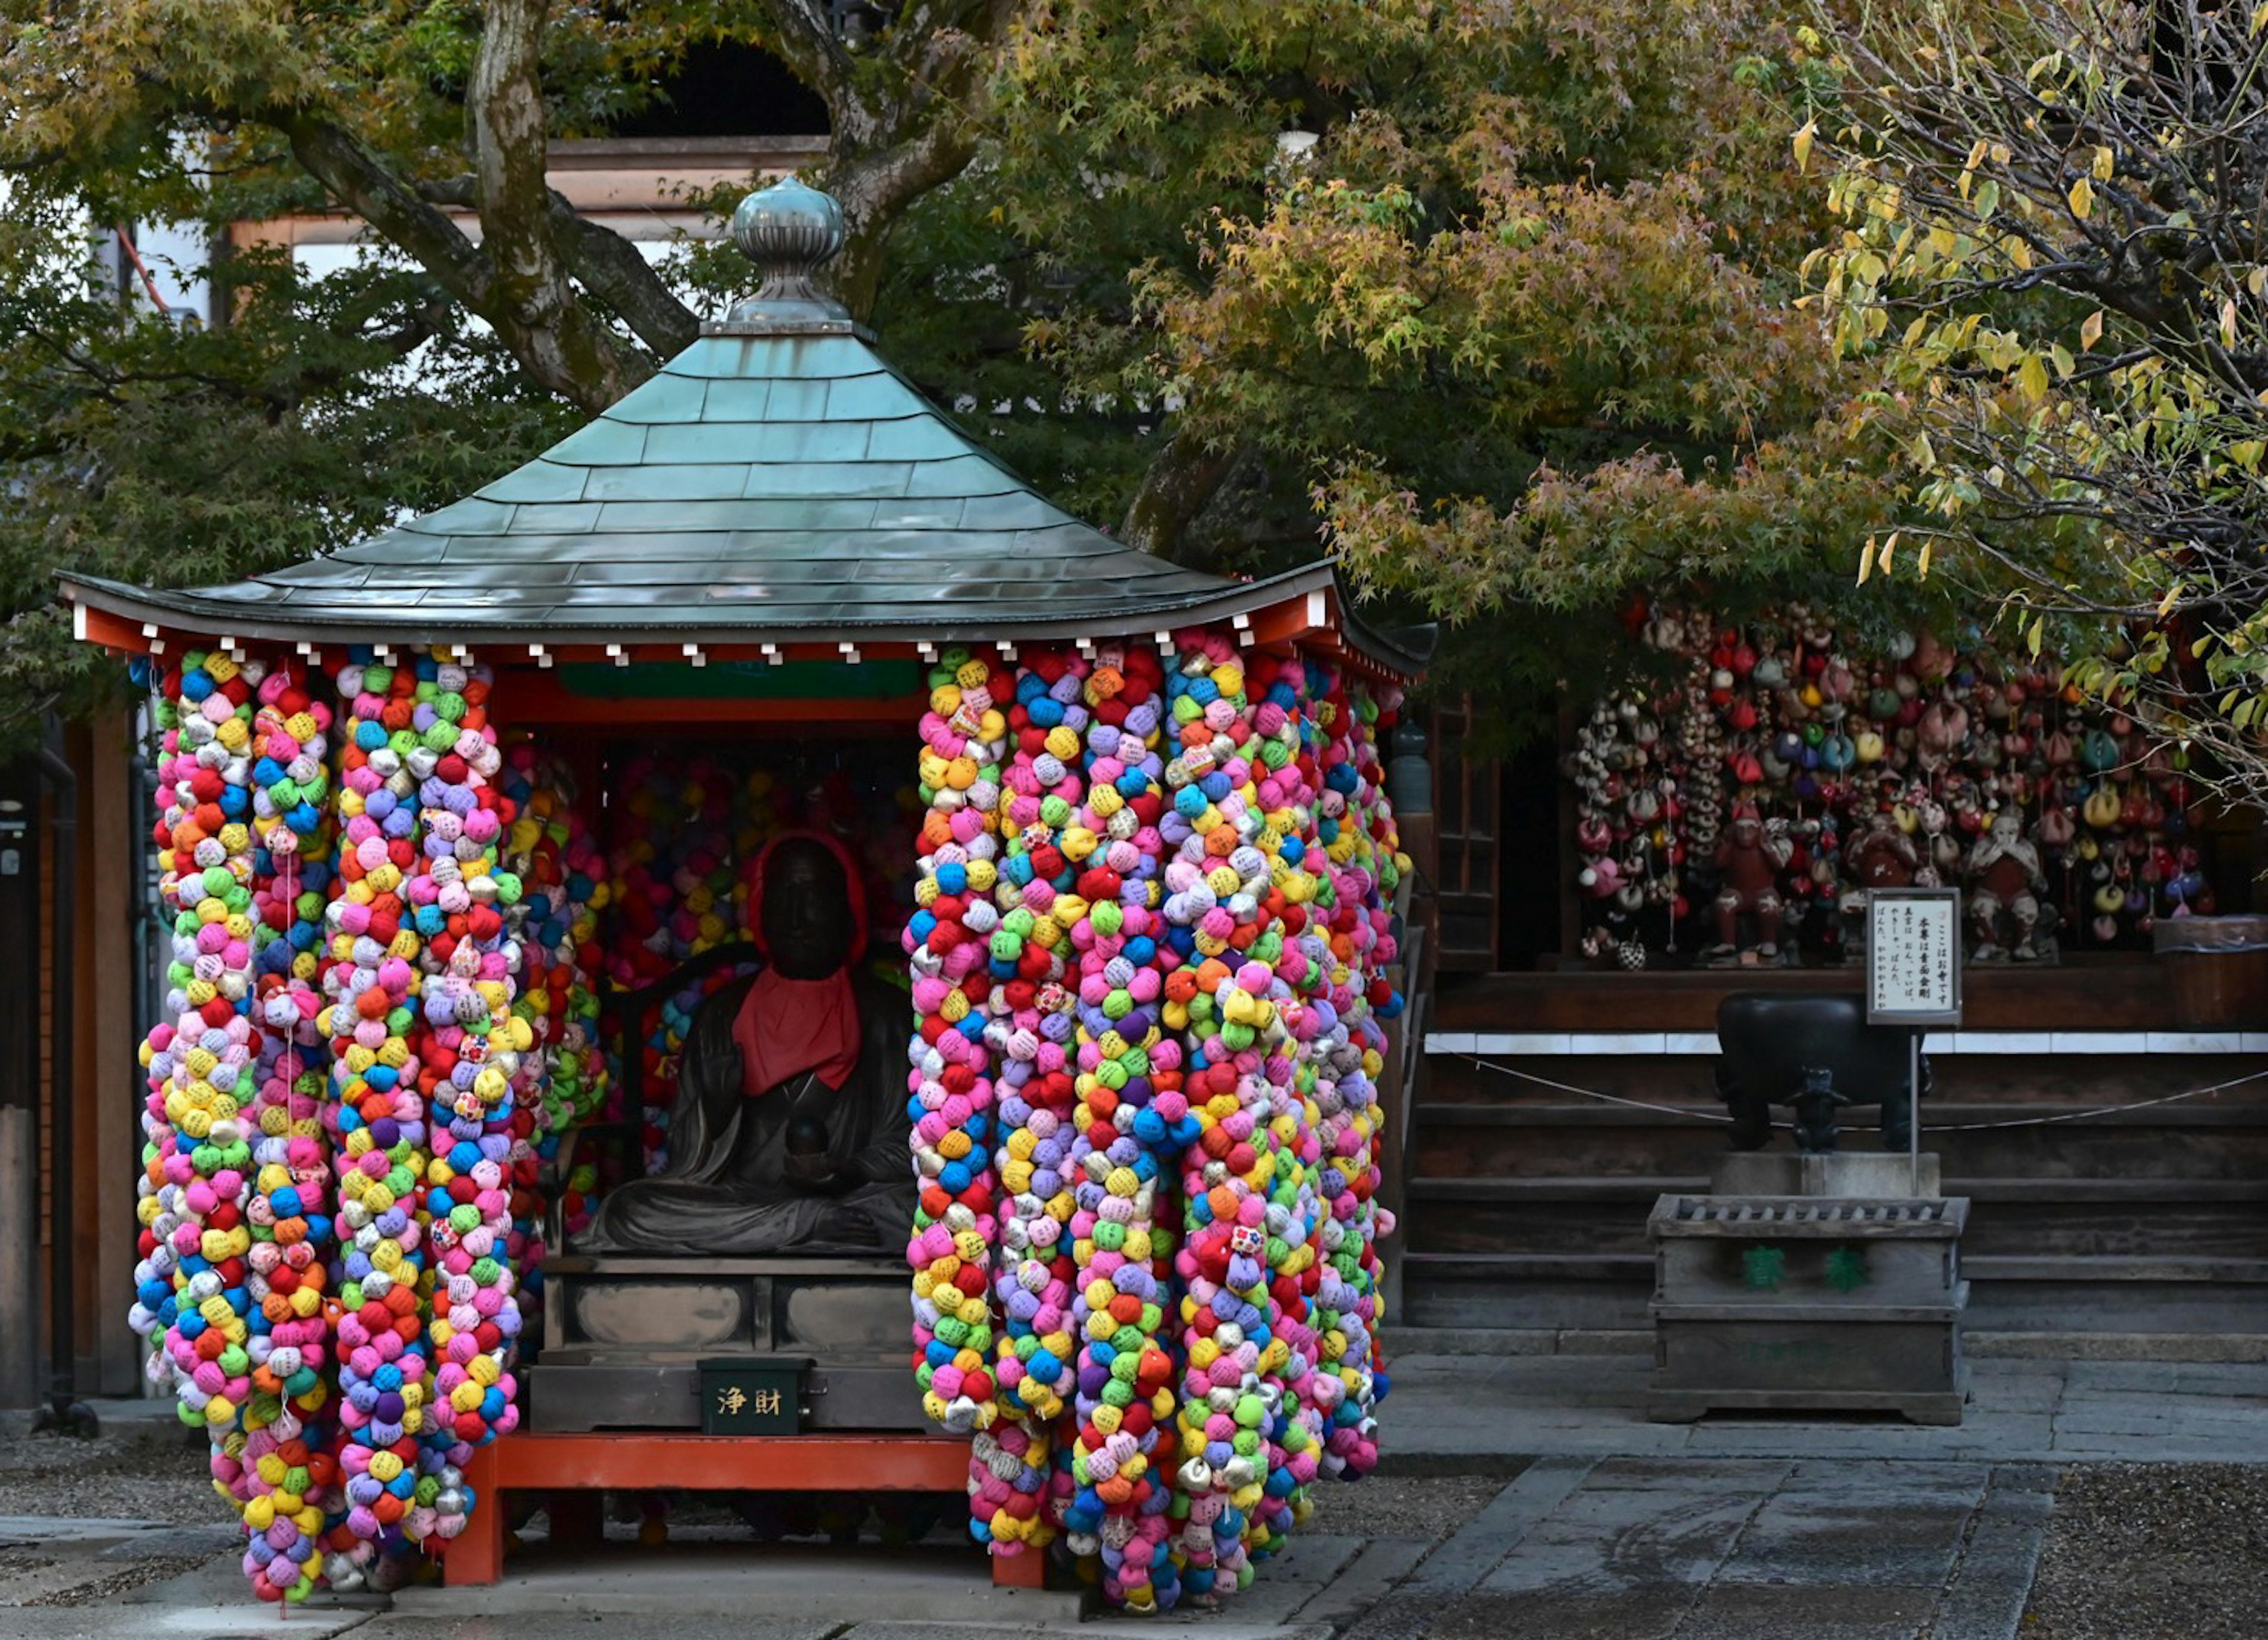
{"points": [[109, 1087], [476, 1556], [1026, 1570]]}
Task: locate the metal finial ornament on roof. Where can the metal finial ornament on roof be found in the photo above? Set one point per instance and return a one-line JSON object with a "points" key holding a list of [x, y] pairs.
{"points": [[789, 229]]}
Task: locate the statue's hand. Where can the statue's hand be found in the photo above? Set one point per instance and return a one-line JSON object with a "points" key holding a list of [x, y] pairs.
{"points": [[814, 1172]]}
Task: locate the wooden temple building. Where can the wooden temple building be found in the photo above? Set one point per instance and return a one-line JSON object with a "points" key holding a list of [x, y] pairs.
{"points": [[2101, 1106]]}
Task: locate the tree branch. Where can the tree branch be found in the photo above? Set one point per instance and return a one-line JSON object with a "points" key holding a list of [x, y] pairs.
{"points": [[531, 299], [607, 264], [804, 36], [362, 182], [880, 161], [611, 269]]}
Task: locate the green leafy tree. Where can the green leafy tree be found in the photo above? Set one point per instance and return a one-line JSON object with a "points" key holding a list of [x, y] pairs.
{"points": [[1488, 298], [1515, 331], [148, 451], [152, 452], [2050, 256]]}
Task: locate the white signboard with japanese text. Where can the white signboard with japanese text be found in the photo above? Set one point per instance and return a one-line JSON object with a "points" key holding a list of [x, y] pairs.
{"points": [[1913, 957]]}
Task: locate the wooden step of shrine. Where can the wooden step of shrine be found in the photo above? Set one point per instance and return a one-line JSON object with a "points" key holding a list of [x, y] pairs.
{"points": [[2015, 1293], [2065, 1217], [2097, 1208], [1974, 1140], [2089, 993], [2084, 1078]]}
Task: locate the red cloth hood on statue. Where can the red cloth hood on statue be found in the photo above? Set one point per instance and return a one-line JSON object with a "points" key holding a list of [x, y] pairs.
{"points": [[788, 1026]]}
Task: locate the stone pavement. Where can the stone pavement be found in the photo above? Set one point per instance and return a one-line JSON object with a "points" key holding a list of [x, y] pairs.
{"points": [[1709, 1548], [1736, 1528], [1445, 1409]]}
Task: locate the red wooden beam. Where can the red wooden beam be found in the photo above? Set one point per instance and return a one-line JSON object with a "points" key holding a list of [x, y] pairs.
{"points": [[729, 1463], [726, 1463], [99, 625]]}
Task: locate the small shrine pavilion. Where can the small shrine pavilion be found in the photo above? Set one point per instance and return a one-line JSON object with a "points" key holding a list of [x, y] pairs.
{"points": [[464, 831]]}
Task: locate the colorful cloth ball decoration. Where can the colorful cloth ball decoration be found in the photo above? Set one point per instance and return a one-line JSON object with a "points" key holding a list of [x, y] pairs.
{"points": [[287, 1423], [1174, 884], [1126, 1102], [1244, 1173], [1150, 967], [378, 1117], [1356, 832], [1031, 1027], [565, 890], [676, 877], [949, 1083], [477, 1062], [194, 1295]]}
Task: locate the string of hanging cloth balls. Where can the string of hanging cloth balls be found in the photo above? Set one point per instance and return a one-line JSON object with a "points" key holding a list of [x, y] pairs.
{"points": [[1147, 953], [1745, 805]]}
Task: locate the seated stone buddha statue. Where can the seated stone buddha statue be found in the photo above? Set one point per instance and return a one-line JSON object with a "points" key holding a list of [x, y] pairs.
{"points": [[789, 1130]]}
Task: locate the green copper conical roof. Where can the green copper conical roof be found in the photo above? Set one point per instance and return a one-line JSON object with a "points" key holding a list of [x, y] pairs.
{"points": [[776, 481]]}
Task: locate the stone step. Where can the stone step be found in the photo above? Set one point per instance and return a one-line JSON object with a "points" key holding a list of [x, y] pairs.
{"points": [[2065, 1115], [2150, 1352], [1984, 1268]]}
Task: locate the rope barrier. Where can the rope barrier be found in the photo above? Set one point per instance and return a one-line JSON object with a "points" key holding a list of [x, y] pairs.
{"points": [[2107, 1110], [1612, 1098], [1963, 1127]]}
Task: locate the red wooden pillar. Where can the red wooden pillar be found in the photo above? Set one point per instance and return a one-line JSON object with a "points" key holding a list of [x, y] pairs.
{"points": [[476, 1554]]}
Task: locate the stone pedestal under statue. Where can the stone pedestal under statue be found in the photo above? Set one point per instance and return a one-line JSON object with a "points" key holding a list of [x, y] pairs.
{"points": [[624, 1335]]}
